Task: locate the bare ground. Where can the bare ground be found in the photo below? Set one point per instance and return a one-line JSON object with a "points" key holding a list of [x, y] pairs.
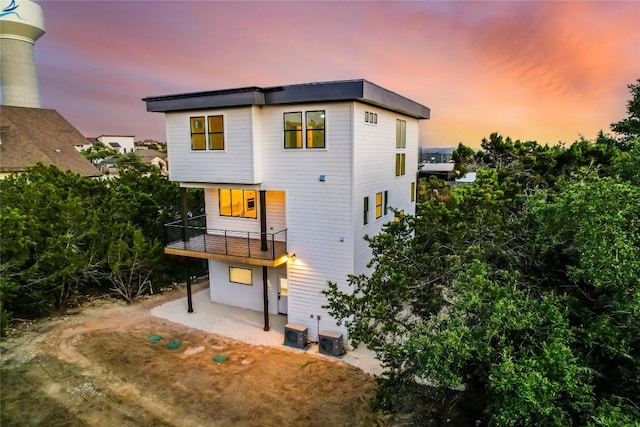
{"points": [[98, 368]]}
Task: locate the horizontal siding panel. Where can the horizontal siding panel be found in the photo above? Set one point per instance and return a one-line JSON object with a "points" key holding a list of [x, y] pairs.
{"points": [[235, 164]]}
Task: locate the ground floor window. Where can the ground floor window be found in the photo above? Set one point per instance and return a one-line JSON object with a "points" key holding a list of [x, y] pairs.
{"points": [[240, 275]]}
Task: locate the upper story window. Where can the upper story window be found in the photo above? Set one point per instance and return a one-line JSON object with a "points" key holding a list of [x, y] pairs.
{"points": [[365, 211], [400, 164], [401, 133], [216, 132], [198, 139], [238, 203], [371, 118], [293, 130], [378, 205], [200, 135], [386, 202], [314, 130]]}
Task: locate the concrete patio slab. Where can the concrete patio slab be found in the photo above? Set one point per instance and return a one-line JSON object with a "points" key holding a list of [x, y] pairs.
{"points": [[248, 326]]}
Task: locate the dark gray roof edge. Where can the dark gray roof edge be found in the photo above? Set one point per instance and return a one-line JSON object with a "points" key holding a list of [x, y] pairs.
{"points": [[330, 91]]}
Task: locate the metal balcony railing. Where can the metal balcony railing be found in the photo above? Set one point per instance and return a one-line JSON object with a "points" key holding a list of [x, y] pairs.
{"points": [[198, 238]]}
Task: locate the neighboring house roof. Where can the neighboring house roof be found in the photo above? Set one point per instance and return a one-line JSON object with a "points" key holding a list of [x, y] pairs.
{"points": [[345, 90], [35, 135], [115, 145], [437, 167], [149, 154]]}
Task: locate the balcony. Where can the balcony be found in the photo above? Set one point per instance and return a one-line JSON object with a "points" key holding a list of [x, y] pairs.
{"points": [[198, 241]]}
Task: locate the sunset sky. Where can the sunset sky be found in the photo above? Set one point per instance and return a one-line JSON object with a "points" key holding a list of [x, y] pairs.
{"points": [[548, 71]]}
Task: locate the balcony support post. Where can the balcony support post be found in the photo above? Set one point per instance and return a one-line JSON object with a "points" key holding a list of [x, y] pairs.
{"points": [[263, 220], [189, 298], [184, 210], [265, 295]]}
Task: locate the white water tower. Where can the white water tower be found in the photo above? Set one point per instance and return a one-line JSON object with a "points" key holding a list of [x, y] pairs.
{"points": [[21, 24]]}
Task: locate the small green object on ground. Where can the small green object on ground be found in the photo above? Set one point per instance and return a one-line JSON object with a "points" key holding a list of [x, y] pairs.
{"points": [[155, 338], [220, 358], [173, 345]]}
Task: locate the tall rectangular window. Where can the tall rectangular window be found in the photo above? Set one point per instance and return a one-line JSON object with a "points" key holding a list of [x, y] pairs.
{"points": [[315, 129], [413, 191], [216, 132], [293, 130], [238, 203], [240, 275], [386, 202], [401, 133], [198, 136], [366, 211], [400, 164], [378, 205]]}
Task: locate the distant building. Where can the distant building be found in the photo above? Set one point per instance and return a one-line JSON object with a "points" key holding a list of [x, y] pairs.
{"points": [[123, 143], [443, 171], [29, 136], [435, 155], [151, 144], [155, 158]]}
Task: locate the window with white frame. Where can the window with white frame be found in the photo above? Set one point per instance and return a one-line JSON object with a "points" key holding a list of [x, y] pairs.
{"points": [[242, 276], [207, 129], [238, 203], [314, 130], [401, 133]]}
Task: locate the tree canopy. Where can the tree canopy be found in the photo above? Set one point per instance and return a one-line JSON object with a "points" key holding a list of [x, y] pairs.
{"points": [[517, 296], [64, 235]]}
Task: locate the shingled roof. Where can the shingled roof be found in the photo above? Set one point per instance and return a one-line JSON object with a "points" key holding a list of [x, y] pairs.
{"points": [[35, 135]]}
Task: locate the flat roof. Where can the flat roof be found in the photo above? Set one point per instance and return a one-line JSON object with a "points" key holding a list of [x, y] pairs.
{"points": [[345, 90]]}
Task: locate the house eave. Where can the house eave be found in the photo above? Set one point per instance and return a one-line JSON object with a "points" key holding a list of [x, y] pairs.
{"points": [[335, 91]]}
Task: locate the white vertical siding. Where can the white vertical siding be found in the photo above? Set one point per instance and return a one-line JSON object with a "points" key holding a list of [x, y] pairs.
{"points": [[251, 297], [324, 219], [235, 164], [276, 211], [317, 213], [374, 172]]}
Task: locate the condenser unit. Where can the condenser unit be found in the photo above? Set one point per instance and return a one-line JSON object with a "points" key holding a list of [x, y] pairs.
{"points": [[330, 343], [295, 335]]}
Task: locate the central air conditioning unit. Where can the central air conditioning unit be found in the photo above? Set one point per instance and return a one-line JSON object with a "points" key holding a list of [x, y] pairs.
{"points": [[330, 343], [295, 335]]}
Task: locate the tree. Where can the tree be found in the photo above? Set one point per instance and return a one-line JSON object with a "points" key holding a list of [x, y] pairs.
{"points": [[629, 128], [99, 151], [521, 288], [83, 235]]}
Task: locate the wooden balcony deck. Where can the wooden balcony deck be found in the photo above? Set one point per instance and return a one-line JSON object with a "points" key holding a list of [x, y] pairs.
{"points": [[241, 248]]}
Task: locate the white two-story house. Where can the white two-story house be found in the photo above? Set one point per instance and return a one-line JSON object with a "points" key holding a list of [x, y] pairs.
{"points": [[294, 177]]}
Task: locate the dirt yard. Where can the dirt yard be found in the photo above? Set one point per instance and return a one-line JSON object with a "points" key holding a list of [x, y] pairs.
{"points": [[98, 367]]}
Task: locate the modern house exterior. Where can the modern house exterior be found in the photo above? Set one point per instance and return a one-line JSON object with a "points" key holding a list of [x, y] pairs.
{"points": [[294, 177]]}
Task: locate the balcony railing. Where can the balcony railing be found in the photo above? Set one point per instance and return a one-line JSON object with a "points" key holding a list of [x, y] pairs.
{"points": [[197, 237]]}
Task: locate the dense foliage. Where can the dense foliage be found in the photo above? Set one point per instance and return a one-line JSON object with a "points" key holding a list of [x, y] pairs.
{"points": [[64, 235], [519, 294]]}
